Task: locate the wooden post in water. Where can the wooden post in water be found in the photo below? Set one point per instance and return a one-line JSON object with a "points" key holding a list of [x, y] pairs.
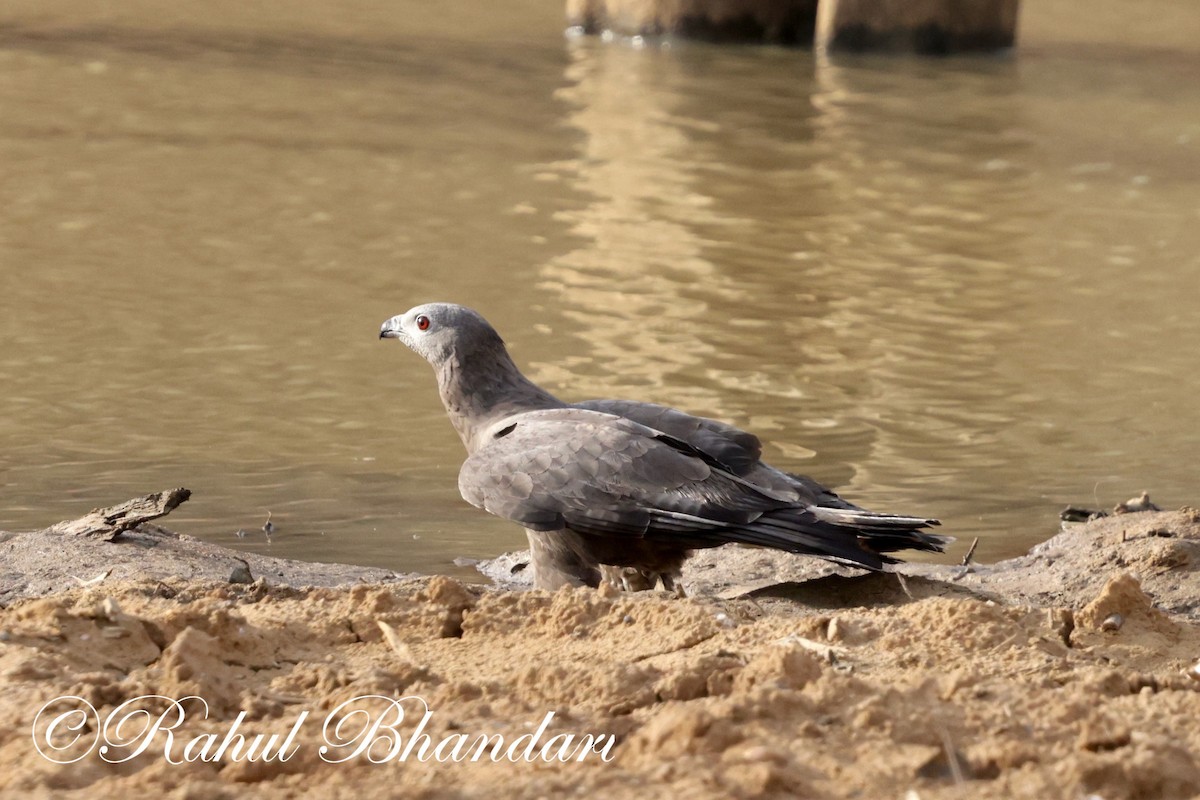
{"points": [[930, 27], [778, 21], [934, 27]]}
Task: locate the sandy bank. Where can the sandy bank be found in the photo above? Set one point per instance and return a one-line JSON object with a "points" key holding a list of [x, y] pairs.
{"points": [[777, 677]]}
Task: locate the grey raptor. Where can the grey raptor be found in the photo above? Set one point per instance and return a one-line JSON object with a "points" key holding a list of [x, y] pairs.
{"points": [[607, 484]]}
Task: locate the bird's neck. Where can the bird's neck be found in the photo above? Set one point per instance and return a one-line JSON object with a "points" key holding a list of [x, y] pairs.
{"points": [[479, 390]]}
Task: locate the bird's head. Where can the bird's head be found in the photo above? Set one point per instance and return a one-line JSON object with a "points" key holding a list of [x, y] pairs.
{"points": [[437, 331]]}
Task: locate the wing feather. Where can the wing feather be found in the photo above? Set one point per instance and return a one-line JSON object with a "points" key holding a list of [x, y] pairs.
{"points": [[547, 468], [735, 449], [605, 475]]}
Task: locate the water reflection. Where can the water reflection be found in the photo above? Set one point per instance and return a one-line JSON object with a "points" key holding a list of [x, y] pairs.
{"points": [[641, 283], [780, 259], [924, 224]]}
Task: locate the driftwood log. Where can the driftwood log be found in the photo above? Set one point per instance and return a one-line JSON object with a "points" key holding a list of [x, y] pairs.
{"points": [[109, 523]]}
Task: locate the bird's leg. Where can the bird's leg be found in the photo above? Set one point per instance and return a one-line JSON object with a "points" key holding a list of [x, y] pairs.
{"points": [[673, 582], [557, 562]]}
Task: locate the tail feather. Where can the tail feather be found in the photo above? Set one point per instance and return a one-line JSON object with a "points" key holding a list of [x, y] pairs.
{"points": [[855, 537], [845, 535]]}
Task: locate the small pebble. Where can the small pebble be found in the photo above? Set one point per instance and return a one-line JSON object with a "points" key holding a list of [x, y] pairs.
{"points": [[763, 754], [627, 619], [241, 574], [1193, 672], [1112, 622], [111, 609]]}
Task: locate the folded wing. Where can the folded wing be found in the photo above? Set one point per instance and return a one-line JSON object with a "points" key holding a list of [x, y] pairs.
{"points": [[601, 474]]}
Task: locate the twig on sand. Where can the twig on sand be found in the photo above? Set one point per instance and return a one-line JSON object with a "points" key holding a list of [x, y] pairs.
{"points": [[971, 552], [824, 651], [956, 770], [93, 581], [394, 641]]}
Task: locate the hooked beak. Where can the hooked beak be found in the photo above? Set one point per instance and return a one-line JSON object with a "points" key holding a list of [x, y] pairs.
{"points": [[390, 330]]}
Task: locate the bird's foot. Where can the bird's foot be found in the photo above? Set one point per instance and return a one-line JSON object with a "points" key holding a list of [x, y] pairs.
{"points": [[673, 582]]}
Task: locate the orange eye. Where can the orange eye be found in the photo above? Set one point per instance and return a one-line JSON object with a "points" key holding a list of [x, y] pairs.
{"points": [[422, 323]]}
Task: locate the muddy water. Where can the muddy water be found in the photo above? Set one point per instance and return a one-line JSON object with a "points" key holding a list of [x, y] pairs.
{"points": [[964, 288]]}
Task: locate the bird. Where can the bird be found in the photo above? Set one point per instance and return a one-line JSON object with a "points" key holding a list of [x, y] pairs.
{"points": [[624, 491]]}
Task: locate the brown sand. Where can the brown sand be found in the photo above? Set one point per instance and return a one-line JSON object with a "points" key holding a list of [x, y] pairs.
{"points": [[831, 686]]}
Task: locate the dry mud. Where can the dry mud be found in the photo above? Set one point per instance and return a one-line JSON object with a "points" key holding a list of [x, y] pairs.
{"points": [[1008, 680]]}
